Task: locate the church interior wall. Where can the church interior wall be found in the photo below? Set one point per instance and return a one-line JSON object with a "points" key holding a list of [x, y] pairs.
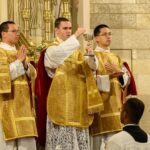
{"points": [[130, 24]]}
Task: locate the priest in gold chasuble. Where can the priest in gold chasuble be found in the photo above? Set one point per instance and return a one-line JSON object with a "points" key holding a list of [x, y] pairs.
{"points": [[113, 79], [17, 118], [73, 97]]}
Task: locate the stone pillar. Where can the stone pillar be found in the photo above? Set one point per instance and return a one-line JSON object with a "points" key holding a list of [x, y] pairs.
{"points": [[3, 10], [83, 18], [84, 14]]}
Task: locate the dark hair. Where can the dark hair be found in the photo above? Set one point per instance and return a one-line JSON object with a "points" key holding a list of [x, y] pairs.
{"points": [[134, 107], [98, 28], [59, 20], [4, 27]]}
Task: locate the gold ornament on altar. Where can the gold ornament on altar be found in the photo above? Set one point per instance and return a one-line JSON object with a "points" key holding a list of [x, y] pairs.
{"points": [[26, 16], [36, 21], [66, 13]]}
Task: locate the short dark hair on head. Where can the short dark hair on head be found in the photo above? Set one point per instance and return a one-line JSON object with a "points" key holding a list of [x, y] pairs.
{"points": [[134, 107], [98, 28], [4, 27], [59, 20]]}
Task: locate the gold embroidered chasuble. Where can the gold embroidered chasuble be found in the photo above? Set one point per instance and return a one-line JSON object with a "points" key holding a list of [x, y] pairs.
{"points": [[16, 111], [109, 119], [73, 96]]}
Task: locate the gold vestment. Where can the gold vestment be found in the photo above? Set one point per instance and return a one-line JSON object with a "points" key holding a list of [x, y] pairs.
{"points": [[109, 119], [73, 96], [16, 110]]}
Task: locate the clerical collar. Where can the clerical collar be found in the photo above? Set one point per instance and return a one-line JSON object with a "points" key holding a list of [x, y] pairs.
{"points": [[99, 49], [130, 125], [7, 46]]}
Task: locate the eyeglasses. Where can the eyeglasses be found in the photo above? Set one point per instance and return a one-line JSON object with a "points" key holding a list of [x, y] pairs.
{"points": [[105, 34], [15, 31]]}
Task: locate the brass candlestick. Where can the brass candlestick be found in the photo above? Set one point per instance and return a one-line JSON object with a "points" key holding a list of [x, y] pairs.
{"points": [[26, 16], [48, 19], [66, 12]]}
